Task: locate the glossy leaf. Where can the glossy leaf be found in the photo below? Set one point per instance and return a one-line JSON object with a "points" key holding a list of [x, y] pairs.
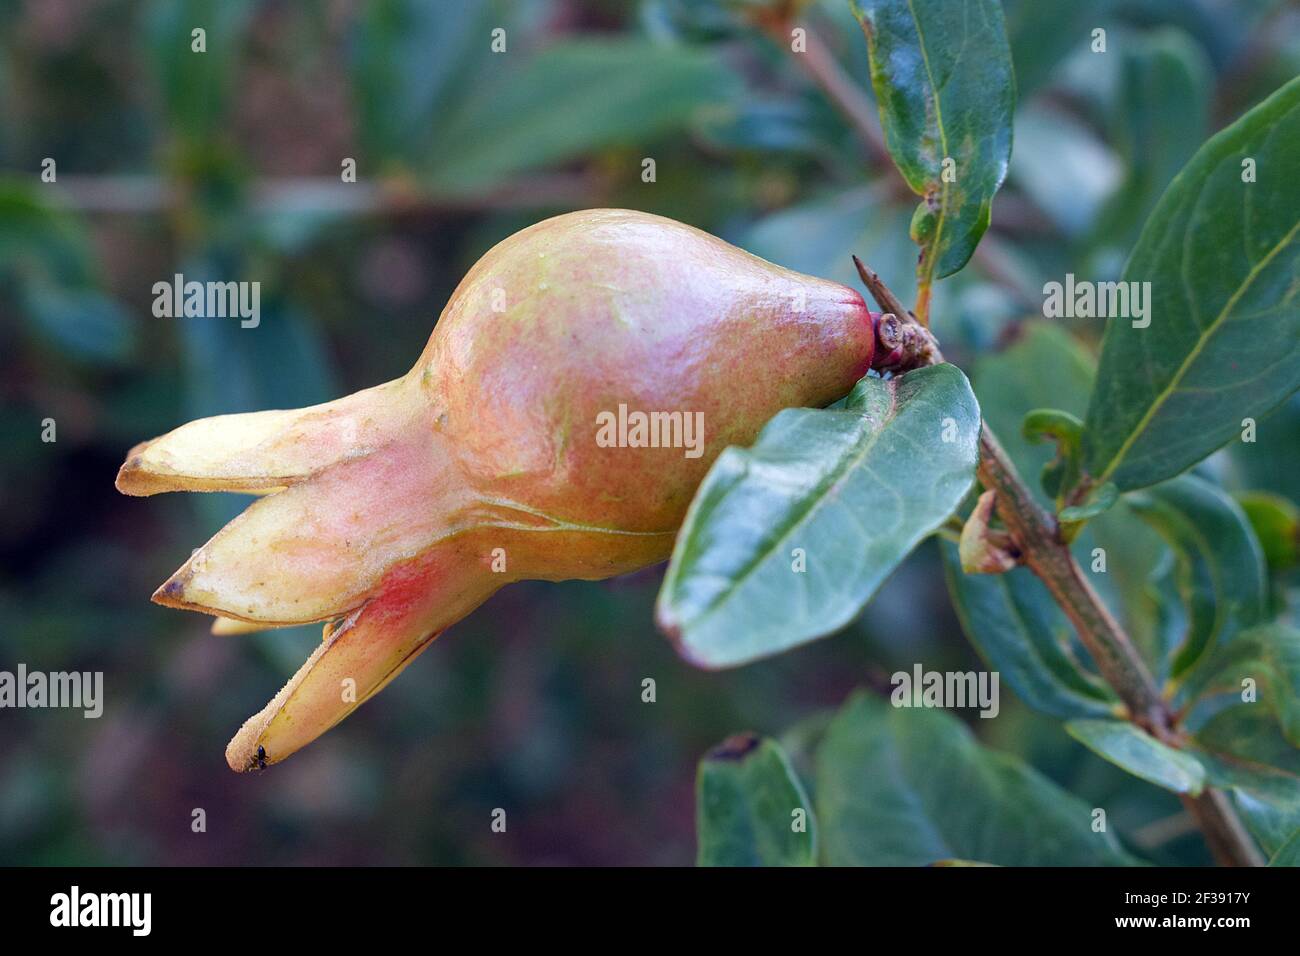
{"points": [[1021, 633], [787, 540], [748, 807], [942, 74], [1223, 341], [909, 787], [1132, 749], [1220, 574]]}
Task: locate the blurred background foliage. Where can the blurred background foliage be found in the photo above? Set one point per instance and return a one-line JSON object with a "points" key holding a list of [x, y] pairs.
{"points": [[226, 164]]}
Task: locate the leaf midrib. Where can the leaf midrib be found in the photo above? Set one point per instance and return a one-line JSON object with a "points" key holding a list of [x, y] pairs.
{"points": [[932, 259], [836, 476]]}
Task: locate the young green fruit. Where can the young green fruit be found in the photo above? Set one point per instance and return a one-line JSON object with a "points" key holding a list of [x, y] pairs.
{"points": [[394, 512]]}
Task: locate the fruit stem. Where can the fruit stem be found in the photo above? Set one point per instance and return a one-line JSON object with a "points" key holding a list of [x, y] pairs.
{"points": [[1038, 537]]}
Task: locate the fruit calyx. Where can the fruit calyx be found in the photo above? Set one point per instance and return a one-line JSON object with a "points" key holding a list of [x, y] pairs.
{"points": [[902, 342]]}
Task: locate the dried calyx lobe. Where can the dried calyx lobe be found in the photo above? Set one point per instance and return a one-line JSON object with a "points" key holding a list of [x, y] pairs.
{"points": [[902, 344], [397, 510]]}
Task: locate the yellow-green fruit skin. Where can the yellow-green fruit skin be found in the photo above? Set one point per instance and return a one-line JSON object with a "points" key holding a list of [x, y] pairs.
{"points": [[578, 315]]}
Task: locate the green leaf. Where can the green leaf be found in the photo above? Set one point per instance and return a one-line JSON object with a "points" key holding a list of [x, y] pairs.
{"points": [[1132, 749], [759, 123], [1220, 573], [846, 493], [1243, 753], [941, 70], [1051, 424], [748, 799], [1221, 256], [1269, 656], [1021, 633], [909, 787], [572, 98], [1100, 500], [1044, 424], [1276, 522], [1289, 853]]}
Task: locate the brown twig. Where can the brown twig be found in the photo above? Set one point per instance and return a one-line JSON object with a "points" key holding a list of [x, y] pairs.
{"points": [[1228, 840], [1037, 534], [1038, 538]]}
